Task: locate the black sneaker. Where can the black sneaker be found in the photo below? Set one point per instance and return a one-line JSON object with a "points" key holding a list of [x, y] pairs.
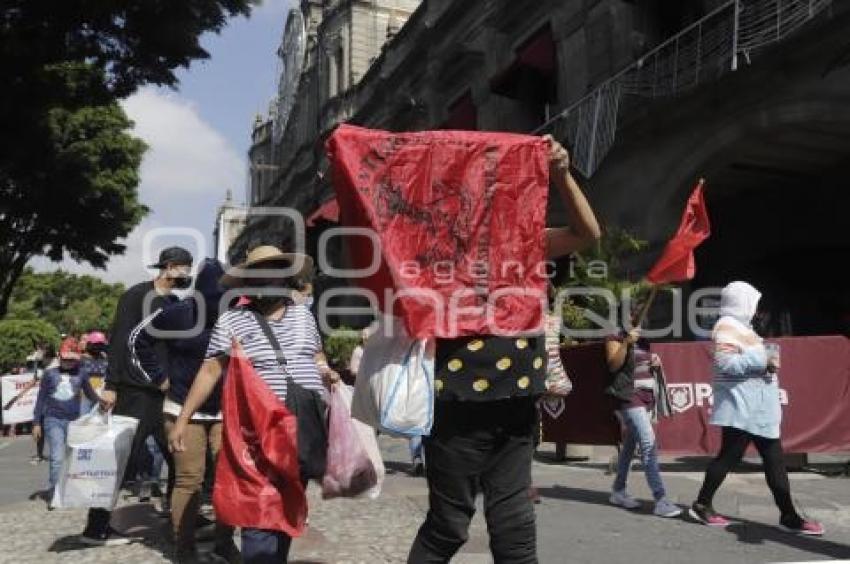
{"points": [[110, 537], [707, 515]]}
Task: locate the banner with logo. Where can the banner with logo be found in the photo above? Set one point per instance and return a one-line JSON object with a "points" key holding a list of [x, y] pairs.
{"points": [[18, 393], [814, 390]]}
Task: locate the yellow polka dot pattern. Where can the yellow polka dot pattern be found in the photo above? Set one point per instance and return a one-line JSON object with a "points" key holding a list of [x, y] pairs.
{"points": [[475, 345], [538, 363], [503, 363], [480, 385], [523, 382], [522, 344], [455, 364], [438, 384]]}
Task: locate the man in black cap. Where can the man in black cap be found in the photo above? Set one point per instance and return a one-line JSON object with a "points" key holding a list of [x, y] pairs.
{"points": [[128, 391]]}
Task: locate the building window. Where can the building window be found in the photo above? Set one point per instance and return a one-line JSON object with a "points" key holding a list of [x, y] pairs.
{"points": [[532, 76]]}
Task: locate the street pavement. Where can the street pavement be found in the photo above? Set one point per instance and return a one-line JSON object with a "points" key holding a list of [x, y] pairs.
{"points": [[575, 522]]}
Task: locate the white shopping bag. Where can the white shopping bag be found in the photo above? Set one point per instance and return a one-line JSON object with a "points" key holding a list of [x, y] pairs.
{"points": [[96, 455], [394, 390], [369, 442]]}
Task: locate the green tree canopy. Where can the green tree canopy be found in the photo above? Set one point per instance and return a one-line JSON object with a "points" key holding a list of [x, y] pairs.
{"points": [[19, 338], [69, 302], [68, 166]]}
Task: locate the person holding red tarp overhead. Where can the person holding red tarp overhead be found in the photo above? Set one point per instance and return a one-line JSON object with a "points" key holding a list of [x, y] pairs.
{"points": [[461, 218]]}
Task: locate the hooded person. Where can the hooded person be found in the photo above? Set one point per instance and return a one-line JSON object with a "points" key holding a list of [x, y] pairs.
{"points": [[747, 408], [184, 329]]}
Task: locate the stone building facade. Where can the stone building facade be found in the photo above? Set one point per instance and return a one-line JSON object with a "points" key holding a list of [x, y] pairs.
{"points": [[779, 123]]}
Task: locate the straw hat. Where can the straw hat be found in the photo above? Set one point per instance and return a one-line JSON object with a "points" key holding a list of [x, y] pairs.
{"points": [[235, 276]]}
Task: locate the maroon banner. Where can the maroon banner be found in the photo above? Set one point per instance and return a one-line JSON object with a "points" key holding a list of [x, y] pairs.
{"points": [[586, 416], [814, 383], [815, 392]]}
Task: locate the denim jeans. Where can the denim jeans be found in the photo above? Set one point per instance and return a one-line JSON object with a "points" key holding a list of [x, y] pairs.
{"points": [[415, 446], [639, 432], [56, 431], [265, 547]]}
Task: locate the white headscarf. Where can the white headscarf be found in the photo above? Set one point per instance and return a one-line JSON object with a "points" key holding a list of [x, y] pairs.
{"points": [[739, 300]]}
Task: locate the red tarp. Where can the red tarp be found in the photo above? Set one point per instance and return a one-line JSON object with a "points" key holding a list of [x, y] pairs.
{"points": [[257, 477], [459, 215], [815, 380]]}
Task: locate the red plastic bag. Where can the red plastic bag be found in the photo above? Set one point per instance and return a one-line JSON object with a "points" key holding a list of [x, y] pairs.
{"points": [[460, 216], [350, 471], [257, 479]]}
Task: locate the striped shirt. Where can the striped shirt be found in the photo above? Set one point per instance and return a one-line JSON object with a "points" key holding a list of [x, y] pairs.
{"points": [[299, 342]]}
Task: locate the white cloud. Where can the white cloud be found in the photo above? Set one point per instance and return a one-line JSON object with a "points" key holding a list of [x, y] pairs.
{"points": [[186, 154], [184, 177]]}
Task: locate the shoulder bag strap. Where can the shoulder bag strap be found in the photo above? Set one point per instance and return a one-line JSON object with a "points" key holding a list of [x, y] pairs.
{"points": [[267, 330]]}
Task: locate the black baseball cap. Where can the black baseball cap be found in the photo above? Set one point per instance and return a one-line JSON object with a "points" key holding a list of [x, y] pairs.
{"points": [[173, 255]]}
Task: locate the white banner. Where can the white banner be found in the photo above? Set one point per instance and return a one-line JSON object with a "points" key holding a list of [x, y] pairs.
{"points": [[17, 396]]}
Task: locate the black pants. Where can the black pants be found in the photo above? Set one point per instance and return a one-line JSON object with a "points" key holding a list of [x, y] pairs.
{"points": [[734, 444], [146, 406], [484, 447]]}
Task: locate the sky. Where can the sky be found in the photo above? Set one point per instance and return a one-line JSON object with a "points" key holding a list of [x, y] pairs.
{"points": [[198, 136]]}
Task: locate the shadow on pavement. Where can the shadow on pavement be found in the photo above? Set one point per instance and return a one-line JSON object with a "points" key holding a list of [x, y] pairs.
{"points": [[749, 532], [140, 522]]}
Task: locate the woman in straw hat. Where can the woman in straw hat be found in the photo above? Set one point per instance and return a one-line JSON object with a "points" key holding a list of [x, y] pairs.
{"points": [[268, 277]]}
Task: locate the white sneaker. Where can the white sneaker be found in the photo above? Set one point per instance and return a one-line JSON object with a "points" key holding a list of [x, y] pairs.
{"points": [[624, 500], [666, 508]]}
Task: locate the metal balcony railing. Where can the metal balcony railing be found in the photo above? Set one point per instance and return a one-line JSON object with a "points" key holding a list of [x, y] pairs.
{"points": [[701, 52]]}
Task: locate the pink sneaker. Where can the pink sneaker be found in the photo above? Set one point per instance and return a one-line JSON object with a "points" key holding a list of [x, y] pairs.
{"points": [[805, 528], [707, 516]]}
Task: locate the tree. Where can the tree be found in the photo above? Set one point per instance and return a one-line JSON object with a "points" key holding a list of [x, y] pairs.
{"points": [[68, 167], [20, 338], [71, 303], [601, 266]]}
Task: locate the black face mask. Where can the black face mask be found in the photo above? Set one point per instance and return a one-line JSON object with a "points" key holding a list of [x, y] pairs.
{"points": [[181, 282]]}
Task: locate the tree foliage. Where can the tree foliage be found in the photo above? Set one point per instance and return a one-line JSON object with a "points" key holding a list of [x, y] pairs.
{"points": [[19, 338], [339, 345], [602, 267], [68, 166], [72, 304]]}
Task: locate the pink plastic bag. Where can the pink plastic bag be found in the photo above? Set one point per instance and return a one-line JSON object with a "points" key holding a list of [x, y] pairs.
{"points": [[349, 471]]}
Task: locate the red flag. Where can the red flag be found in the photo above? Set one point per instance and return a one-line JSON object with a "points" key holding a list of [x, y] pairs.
{"points": [[257, 478], [676, 263], [460, 217]]}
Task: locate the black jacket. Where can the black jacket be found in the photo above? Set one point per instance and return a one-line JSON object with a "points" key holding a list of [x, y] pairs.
{"points": [[129, 313], [184, 354]]}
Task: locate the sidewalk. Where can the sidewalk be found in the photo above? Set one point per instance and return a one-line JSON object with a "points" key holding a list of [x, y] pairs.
{"points": [[575, 522]]}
